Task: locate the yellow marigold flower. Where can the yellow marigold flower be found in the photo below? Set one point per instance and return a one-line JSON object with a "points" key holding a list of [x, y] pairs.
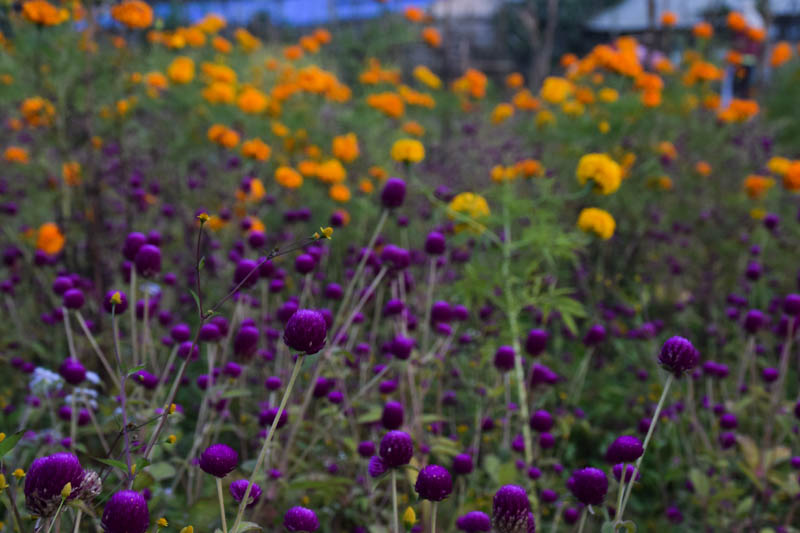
{"points": [[219, 93], [19, 473], [778, 165], [181, 70], [162, 522], [555, 90], [469, 204], [756, 186], [256, 149], [409, 517], [602, 170], [16, 154], [703, 168], [288, 177], [572, 108], [425, 76], [134, 14], [220, 73], [757, 213], [408, 151], [603, 126], [279, 130], [339, 193], [545, 117], [597, 221], [3, 484], [525, 101], [211, 23], [2, 436], [252, 101], [499, 173], [502, 112], [345, 147], [187, 529], [71, 172], [432, 37], [43, 13], [608, 95]]}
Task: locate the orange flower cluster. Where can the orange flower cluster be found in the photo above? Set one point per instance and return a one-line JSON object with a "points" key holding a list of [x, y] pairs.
{"points": [[739, 110], [781, 54], [390, 104], [37, 111], [345, 147], [43, 13], [472, 83], [375, 74], [134, 14], [416, 98], [223, 136], [432, 37], [256, 149]]}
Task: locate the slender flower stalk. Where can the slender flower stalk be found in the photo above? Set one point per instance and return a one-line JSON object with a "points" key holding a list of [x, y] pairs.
{"points": [[265, 447], [395, 516], [122, 395], [222, 504]]}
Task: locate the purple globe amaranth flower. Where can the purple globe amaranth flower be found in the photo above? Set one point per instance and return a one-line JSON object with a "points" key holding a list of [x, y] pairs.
{"points": [[396, 449], [239, 487], [434, 483], [536, 342], [72, 371], [219, 460], [300, 519], [770, 374], [541, 421], [401, 347], [366, 448], [133, 242], [624, 449], [73, 299], [474, 522], [126, 512], [267, 417], [629, 470], [116, 301], [376, 467], [595, 335], [392, 416], [245, 343], [504, 358], [435, 243], [753, 321], [511, 510], [728, 421], [246, 273], [47, 477], [589, 485], [393, 193], [462, 464], [148, 260], [791, 304], [306, 331], [678, 356]]}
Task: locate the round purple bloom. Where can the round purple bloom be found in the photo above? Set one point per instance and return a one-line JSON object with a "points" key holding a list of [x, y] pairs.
{"points": [[753, 321], [678, 356], [770, 374], [148, 260], [305, 331], [300, 519], [396, 449], [245, 343], [366, 448], [393, 193], [73, 299], [246, 270], [504, 358], [239, 487], [72, 371], [791, 304], [392, 416], [536, 342], [434, 483], [46, 478], [474, 522], [541, 421], [376, 467], [133, 242], [219, 460], [462, 464], [119, 308], [629, 469], [401, 347], [595, 335], [435, 243], [589, 485], [126, 512], [511, 510], [625, 449]]}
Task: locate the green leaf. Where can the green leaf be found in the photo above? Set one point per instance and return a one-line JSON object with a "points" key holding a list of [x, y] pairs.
{"points": [[629, 526], [237, 393], [202, 263], [113, 463], [196, 299], [744, 506], [700, 482], [373, 415], [134, 369], [9, 442], [246, 526], [161, 471], [607, 527]]}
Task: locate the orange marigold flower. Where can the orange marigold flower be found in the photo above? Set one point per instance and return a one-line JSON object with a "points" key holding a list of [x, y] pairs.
{"points": [[669, 19], [16, 154], [379, 173], [736, 21], [515, 80], [43, 13], [339, 193], [288, 177], [49, 239], [525, 101], [391, 104], [222, 45], [293, 53], [252, 101], [703, 30], [331, 171], [366, 186], [414, 14], [322, 36], [71, 172], [412, 127], [256, 149], [756, 186], [37, 111], [702, 168], [432, 37], [651, 98], [134, 14], [791, 180], [181, 70], [219, 93], [781, 53], [345, 147]]}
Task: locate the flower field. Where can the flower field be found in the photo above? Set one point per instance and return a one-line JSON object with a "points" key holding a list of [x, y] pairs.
{"points": [[273, 284]]}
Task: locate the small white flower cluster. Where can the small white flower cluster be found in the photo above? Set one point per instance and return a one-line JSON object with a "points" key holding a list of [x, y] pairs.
{"points": [[44, 380], [85, 396]]}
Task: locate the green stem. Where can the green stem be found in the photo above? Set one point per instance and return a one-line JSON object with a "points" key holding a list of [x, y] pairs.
{"points": [[395, 518], [433, 517], [618, 517], [55, 516], [583, 520], [262, 455], [647, 438], [221, 505]]}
